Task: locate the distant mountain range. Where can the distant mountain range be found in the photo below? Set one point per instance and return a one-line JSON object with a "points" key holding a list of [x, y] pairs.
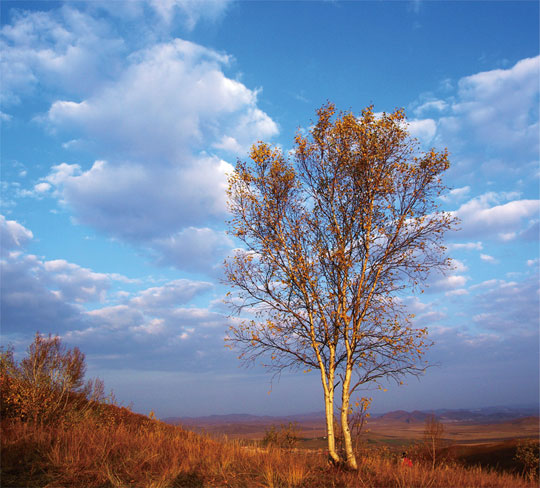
{"points": [[244, 418], [479, 415]]}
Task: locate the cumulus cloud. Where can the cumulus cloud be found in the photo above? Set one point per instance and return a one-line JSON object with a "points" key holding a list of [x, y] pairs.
{"points": [[456, 194], [423, 129], [457, 293], [172, 294], [163, 183], [488, 215], [27, 302], [500, 106], [179, 100], [48, 295], [156, 330], [160, 119], [156, 325], [74, 283], [491, 123], [45, 294], [450, 282], [194, 249], [431, 106], [137, 202], [65, 48], [76, 50], [13, 234]]}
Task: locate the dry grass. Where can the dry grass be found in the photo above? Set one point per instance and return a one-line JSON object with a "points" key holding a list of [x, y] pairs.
{"points": [[152, 454]]}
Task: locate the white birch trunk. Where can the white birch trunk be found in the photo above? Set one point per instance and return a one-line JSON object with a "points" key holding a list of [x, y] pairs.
{"points": [[345, 401]]}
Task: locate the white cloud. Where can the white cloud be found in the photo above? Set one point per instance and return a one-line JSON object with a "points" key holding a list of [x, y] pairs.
{"points": [[171, 294], [449, 283], [480, 217], [65, 48], [193, 11], [488, 259], [179, 101], [423, 129], [74, 283], [77, 284], [159, 118], [42, 187], [161, 181], [156, 326], [194, 249], [458, 266], [457, 293], [137, 202], [499, 107], [116, 317], [456, 194], [431, 106], [466, 246], [13, 234]]}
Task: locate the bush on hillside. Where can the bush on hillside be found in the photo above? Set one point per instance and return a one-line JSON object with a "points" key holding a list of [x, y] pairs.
{"points": [[47, 385], [528, 455], [286, 437]]}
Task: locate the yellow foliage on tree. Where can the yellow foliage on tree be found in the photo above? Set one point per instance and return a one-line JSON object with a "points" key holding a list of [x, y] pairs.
{"points": [[331, 237]]}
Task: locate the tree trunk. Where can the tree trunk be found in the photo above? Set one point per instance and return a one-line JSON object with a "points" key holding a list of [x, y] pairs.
{"points": [[329, 410], [347, 441]]}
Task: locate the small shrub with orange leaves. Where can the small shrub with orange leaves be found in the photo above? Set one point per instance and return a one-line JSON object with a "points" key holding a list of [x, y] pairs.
{"points": [[48, 384]]}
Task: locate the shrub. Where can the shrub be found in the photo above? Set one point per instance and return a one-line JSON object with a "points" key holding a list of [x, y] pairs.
{"points": [[48, 384], [527, 454], [286, 437]]}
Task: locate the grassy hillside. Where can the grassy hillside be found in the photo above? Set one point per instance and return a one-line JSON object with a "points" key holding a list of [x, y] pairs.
{"points": [[130, 450], [58, 431]]}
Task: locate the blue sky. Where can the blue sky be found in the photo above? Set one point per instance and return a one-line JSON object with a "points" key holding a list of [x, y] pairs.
{"points": [[120, 121]]}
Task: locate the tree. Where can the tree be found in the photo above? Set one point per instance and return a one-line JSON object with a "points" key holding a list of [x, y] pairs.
{"points": [[331, 237], [433, 440]]}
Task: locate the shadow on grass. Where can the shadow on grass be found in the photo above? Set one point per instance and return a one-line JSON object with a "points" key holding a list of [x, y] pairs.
{"points": [[188, 480]]}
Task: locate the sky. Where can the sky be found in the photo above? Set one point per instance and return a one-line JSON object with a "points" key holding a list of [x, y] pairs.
{"points": [[121, 120]]}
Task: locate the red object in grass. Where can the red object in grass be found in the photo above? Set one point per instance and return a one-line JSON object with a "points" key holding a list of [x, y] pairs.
{"points": [[406, 462]]}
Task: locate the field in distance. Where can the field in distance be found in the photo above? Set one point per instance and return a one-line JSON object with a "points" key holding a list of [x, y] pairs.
{"points": [[398, 427]]}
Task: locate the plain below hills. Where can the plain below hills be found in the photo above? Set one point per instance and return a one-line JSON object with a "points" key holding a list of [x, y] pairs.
{"points": [[463, 426]]}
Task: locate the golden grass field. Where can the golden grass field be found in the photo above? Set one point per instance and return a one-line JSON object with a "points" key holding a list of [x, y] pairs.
{"points": [[54, 437], [133, 451]]}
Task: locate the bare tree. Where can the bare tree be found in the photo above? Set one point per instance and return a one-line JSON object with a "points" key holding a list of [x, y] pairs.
{"points": [[358, 419], [330, 240], [433, 440]]}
